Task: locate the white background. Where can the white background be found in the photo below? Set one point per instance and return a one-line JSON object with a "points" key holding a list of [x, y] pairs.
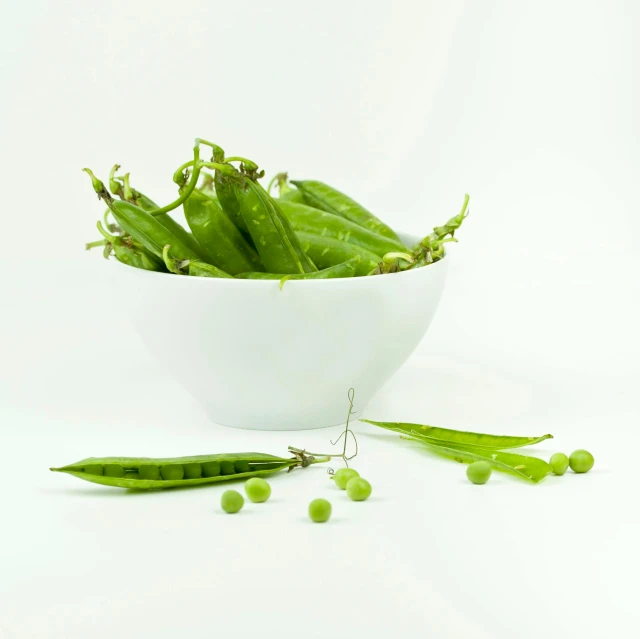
{"points": [[531, 107]]}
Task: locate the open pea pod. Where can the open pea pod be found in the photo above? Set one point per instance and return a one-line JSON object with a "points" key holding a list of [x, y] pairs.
{"points": [[524, 466], [446, 436], [146, 473]]}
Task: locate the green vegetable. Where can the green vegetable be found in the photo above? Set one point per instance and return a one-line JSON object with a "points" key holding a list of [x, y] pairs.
{"points": [[319, 510], [343, 476], [257, 490], [195, 268], [581, 461], [223, 245], [358, 489], [231, 501], [172, 472], [347, 269], [327, 251], [305, 219], [559, 463], [326, 198], [446, 436], [479, 472]]}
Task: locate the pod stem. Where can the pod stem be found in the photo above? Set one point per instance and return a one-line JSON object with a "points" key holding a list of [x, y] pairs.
{"points": [[89, 245], [114, 185]]}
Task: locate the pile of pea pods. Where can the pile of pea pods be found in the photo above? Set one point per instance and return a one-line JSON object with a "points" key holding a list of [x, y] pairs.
{"points": [[238, 229]]}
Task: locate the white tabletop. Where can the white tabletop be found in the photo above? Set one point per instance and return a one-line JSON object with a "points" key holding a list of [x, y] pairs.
{"points": [[539, 347]]}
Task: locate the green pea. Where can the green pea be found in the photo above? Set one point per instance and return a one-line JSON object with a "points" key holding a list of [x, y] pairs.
{"points": [[173, 472], [559, 463], [358, 489], [227, 468], [149, 471], [257, 489], [241, 466], [113, 470], [132, 474], [94, 469], [211, 469], [581, 461], [343, 476], [192, 471], [479, 472], [319, 511], [231, 501]]}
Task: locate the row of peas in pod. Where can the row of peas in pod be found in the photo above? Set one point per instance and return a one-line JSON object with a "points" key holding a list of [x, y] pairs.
{"points": [[238, 229]]}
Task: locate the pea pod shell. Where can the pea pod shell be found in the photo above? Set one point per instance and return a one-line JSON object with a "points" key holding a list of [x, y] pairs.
{"points": [[135, 255], [272, 464], [227, 196], [146, 230], [346, 269], [326, 252], [307, 219], [278, 246], [197, 268], [447, 436], [223, 245], [322, 196]]}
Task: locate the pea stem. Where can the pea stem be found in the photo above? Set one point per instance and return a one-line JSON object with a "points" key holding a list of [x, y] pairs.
{"points": [[114, 185], [90, 245], [271, 183]]}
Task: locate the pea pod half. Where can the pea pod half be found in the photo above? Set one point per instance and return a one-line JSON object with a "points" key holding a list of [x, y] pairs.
{"points": [[322, 196], [278, 246], [326, 252], [145, 473], [223, 245], [306, 219]]}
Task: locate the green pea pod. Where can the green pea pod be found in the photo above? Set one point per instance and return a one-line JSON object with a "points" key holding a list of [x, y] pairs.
{"points": [[129, 252], [325, 197], [191, 267], [146, 204], [347, 269], [144, 473], [275, 241], [222, 244], [306, 219], [523, 466], [326, 252], [447, 436]]}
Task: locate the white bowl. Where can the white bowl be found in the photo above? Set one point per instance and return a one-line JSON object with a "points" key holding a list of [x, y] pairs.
{"points": [[258, 357]]}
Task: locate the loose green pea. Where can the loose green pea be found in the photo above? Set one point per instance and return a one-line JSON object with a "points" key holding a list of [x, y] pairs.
{"points": [[113, 470], [559, 463], [581, 461], [227, 468], [132, 474], [94, 469], [231, 501], [211, 469], [192, 471], [173, 472], [240, 467], [257, 489], [358, 489], [343, 476], [149, 471], [319, 511], [479, 472]]}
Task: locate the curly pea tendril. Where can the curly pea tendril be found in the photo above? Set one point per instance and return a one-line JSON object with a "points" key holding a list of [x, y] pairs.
{"points": [[344, 435]]}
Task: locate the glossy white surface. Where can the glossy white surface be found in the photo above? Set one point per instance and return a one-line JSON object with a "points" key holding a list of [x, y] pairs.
{"points": [[293, 351]]}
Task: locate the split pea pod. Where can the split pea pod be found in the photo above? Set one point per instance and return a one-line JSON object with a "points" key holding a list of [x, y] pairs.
{"points": [[129, 252], [127, 192], [346, 269], [191, 267], [278, 246], [326, 252], [306, 219], [322, 196], [144, 473], [142, 226], [221, 242]]}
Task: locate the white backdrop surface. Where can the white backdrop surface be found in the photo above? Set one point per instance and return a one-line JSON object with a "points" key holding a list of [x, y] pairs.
{"points": [[529, 107]]}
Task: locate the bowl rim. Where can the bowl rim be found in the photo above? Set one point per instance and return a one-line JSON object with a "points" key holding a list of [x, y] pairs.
{"points": [[321, 282]]}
